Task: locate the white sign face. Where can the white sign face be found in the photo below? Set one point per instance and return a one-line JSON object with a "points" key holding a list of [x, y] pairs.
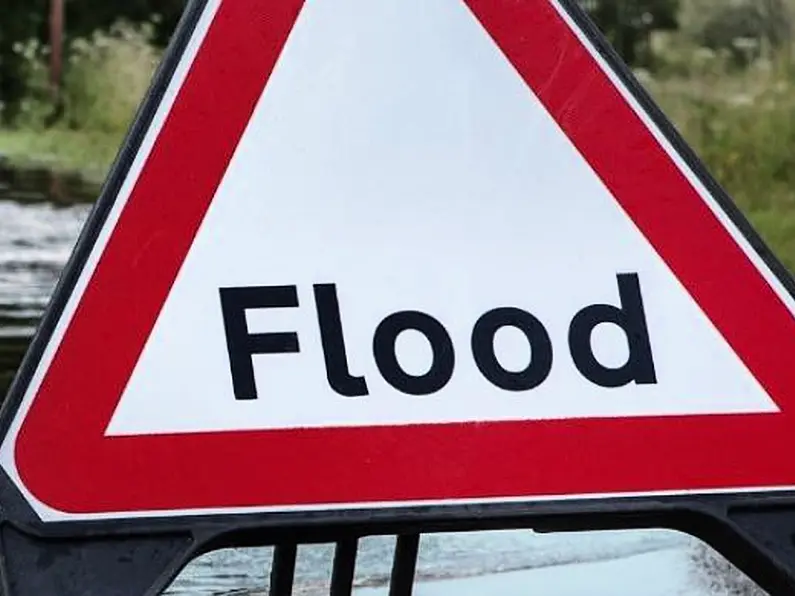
{"points": [[393, 239], [429, 178]]}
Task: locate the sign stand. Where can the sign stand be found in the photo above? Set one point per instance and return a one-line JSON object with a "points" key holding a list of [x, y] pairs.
{"points": [[103, 537], [98, 566], [753, 533]]}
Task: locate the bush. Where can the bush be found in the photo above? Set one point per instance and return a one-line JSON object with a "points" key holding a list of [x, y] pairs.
{"points": [[33, 108], [628, 24], [106, 76], [24, 20], [745, 29], [742, 126], [747, 145]]}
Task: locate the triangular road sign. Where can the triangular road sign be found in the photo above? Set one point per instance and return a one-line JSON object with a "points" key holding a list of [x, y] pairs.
{"points": [[398, 252]]}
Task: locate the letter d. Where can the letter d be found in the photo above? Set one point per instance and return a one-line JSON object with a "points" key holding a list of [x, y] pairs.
{"points": [[632, 320]]}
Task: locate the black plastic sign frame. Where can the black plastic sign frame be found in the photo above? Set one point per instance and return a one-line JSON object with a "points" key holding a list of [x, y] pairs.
{"points": [[143, 555]]}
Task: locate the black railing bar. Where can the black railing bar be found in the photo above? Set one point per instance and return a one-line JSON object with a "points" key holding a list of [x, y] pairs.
{"points": [[283, 569], [405, 565], [343, 568]]}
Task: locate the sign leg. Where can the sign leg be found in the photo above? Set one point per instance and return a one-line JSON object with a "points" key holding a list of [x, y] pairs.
{"points": [[344, 567], [131, 566], [283, 569], [405, 565]]}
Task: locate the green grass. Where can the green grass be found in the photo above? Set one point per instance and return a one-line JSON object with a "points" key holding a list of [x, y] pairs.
{"points": [[777, 227], [87, 152], [742, 126]]}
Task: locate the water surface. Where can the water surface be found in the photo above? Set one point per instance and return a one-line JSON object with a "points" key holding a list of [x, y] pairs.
{"points": [[41, 214]]}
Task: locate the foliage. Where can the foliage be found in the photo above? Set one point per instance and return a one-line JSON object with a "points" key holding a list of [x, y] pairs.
{"points": [[107, 75], [21, 21], [26, 21], [629, 23], [84, 17], [742, 126], [743, 29], [34, 106]]}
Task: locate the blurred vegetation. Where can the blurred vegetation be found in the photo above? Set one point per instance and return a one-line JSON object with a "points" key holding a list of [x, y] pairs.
{"points": [[722, 70], [111, 47], [106, 75], [24, 27], [110, 51], [629, 25], [728, 85]]}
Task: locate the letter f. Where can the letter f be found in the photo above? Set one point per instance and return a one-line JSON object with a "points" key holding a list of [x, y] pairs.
{"points": [[241, 344]]}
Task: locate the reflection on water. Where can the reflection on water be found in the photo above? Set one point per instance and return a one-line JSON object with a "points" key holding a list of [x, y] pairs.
{"points": [[41, 214]]}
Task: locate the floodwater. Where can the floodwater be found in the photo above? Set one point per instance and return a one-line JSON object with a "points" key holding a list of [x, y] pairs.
{"points": [[40, 218], [41, 214]]}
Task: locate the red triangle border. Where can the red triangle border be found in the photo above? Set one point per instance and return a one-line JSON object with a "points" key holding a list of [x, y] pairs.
{"points": [[64, 428]]}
